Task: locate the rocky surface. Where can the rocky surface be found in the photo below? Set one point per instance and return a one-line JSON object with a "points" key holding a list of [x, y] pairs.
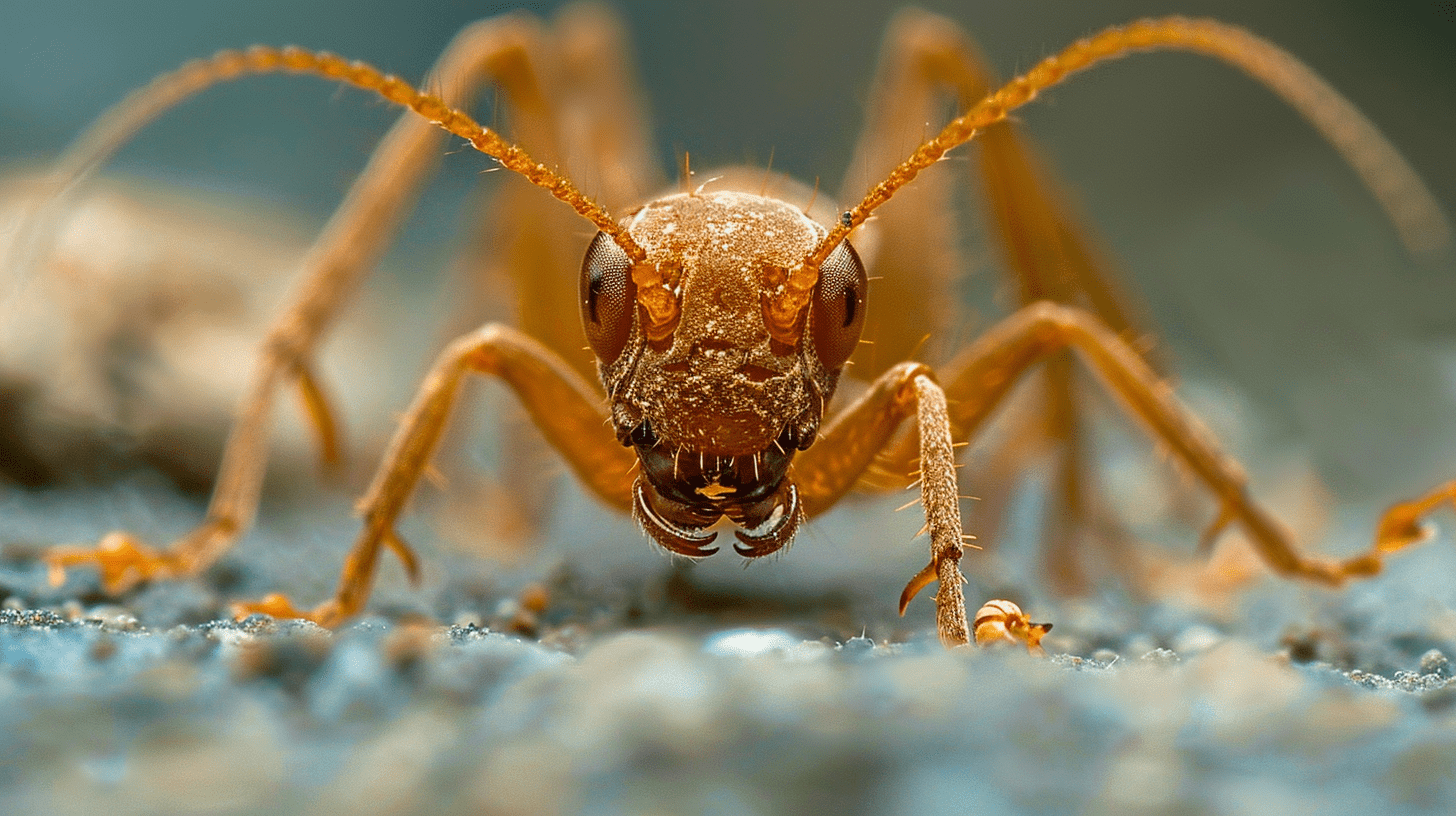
{"points": [[587, 692]]}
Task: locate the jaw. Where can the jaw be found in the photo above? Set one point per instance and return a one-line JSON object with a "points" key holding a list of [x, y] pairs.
{"points": [[681, 494], [682, 529]]}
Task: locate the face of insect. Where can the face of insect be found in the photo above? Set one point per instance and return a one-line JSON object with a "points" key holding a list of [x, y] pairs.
{"points": [[715, 406]]}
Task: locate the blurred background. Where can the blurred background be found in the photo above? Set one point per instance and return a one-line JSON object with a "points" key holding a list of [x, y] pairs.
{"points": [[1268, 270], [1297, 325]]}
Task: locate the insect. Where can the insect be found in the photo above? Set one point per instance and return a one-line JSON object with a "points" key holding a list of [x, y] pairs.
{"points": [[721, 319], [1004, 622]]}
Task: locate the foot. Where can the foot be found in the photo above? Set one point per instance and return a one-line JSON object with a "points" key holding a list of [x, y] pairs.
{"points": [[1404, 524], [278, 605], [122, 561]]}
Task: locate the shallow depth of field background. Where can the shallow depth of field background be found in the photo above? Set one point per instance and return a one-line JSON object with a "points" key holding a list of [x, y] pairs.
{"points": [[1266, 266], [1291, 314], [1305, 334]]}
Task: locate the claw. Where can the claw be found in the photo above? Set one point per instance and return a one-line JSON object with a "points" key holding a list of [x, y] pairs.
{"points": [[406, 556], [322, 416], [1226, 515], [922, 579]]}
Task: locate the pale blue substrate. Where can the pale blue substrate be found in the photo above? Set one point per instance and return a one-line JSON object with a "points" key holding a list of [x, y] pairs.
{"points": [[143, 707], [286, 718]]}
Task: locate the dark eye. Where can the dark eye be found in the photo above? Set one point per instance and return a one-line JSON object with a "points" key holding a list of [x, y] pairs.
{"points": [[607, 295], [839, 300]]}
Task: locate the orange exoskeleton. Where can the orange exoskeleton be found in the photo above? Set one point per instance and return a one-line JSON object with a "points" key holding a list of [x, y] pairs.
{"points": [[721, 320]]}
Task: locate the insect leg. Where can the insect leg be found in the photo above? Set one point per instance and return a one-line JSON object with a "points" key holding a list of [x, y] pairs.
{"points": [[825, 472], [927, 60], [1401, 525], [976, 385], [566, 408], [503, 49], [985, 373], [522, 257]]}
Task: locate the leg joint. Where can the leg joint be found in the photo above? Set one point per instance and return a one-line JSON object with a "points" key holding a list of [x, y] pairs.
{"points": [[1051, 314], [904, 376], [478, 349]]}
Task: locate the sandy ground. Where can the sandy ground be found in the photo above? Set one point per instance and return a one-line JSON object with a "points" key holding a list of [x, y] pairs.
{"points": [[640, 688]]}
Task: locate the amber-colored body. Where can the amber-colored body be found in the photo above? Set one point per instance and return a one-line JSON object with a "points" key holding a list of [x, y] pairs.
{"points": [[1003, 622], [721, 318]]}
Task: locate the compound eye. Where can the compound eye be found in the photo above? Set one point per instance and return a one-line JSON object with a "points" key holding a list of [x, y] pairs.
{"points": [[839, 300], [607, 297]]}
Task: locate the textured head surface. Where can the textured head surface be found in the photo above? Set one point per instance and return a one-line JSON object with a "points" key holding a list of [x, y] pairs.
{"points": [[731, 390]]}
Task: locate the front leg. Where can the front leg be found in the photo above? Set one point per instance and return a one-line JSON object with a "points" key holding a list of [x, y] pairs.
{"points": [[569, 412], [1046, 251], [941, 499], [980, 379], [849, 442]]}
